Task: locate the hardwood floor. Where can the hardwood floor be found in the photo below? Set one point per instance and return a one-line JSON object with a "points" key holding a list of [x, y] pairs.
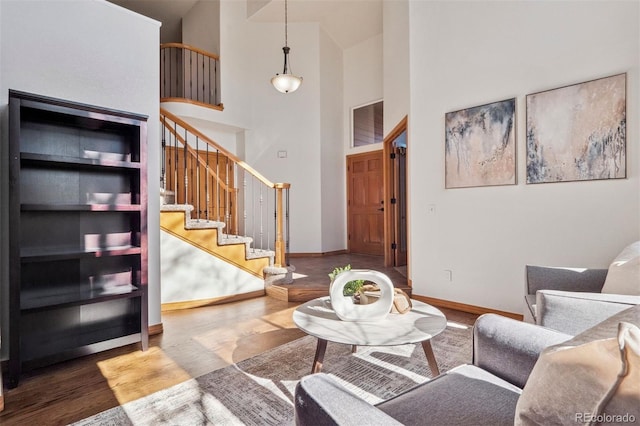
{"points": [[311, 280], [194, 342]]}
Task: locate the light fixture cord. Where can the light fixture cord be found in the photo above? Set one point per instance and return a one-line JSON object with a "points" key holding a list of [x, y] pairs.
{"points": [[286, 43]]}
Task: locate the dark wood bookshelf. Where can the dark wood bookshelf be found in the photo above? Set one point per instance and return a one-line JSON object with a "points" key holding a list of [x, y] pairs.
{"points": [[63, 161], [72, 295], [77, 230], [81, 207]]}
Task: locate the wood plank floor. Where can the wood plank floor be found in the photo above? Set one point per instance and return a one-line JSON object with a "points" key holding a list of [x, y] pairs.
{"points": [[194, 342], [310, 279]]}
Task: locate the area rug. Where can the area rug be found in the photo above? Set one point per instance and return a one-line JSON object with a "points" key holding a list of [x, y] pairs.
{"points": [[259, 390]]}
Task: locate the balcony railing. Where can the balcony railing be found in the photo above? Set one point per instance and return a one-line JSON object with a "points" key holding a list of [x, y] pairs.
{"points": [[189, 74], [222, 188]]}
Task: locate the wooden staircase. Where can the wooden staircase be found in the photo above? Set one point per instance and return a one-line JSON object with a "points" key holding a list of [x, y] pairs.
{"points": [[208, 235]]}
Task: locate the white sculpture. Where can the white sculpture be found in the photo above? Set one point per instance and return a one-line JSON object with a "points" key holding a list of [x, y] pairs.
{"points": [[344, 307]]}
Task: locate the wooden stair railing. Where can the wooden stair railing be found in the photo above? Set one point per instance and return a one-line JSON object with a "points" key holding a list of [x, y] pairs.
{"points": [[189, 74], [223, 188]]}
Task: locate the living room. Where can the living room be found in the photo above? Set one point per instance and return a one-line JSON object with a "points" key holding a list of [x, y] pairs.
{"points": [[468, 246]]}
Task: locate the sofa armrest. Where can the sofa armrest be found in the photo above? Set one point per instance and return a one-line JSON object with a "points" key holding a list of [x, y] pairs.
{"points": [[320, 401], [573, 312], [565, 279], [509, 348]]}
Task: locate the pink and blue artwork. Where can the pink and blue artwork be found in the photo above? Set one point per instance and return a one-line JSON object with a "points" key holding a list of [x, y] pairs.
{"points": [[577, 132], [480, 147]]}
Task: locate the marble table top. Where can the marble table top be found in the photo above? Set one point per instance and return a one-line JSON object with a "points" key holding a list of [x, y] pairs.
{"points": [[318, 319]]}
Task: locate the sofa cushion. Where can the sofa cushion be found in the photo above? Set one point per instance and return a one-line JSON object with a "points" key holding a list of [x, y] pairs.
{"points": [[595, 381], [321, 401], [530, 300], [573, 312], [623, 276], [465, 395]]}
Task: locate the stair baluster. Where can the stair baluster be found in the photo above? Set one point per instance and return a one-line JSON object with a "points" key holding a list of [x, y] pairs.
{"points": [[222, 185]]}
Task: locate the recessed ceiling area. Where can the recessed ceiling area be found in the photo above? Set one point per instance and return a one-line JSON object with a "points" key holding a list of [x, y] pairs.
{"points": [[348, 22], [169, 12]]}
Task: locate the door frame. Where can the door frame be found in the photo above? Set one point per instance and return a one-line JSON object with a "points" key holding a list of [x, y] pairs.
{"points": [[390, 218]]}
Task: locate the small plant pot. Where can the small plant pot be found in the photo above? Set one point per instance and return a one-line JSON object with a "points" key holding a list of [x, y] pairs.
{"points": [[347, 310]]}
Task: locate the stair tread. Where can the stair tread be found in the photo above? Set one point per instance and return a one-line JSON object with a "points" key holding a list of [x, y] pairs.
{"points": [[203, 224], [223, 239]]}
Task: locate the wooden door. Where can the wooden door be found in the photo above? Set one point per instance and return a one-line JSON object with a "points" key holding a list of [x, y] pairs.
{"points": [[365, 205]]}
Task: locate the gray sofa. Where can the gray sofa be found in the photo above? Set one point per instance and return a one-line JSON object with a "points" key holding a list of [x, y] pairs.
{"points": [[486, 392], [570, 299]]}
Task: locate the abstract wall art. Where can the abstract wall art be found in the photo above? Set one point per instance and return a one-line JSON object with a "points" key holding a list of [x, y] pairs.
{"points": [[577, 132], [480, 145]]}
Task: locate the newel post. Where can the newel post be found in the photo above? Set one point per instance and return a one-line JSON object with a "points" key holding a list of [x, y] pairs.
{"points": [[281, 214]]}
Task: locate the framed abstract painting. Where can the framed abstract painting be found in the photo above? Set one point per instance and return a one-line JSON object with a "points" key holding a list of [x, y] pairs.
{"points": [[578, 132], [480, 145]]}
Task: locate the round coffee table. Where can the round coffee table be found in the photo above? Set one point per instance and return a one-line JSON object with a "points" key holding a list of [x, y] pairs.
{"points": [[423, 322]]}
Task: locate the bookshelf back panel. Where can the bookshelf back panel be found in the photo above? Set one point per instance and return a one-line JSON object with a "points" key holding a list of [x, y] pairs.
{"points": [[51, 134], [46, 185], [80, 231]]}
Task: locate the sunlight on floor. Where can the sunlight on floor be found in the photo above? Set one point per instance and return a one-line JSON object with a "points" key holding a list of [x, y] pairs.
{"points": [[457, 325], [129, 383], [250, 336]]}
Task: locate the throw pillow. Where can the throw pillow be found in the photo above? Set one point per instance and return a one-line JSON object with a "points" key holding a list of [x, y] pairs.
{"points": [[597, 382], [623, 276]]}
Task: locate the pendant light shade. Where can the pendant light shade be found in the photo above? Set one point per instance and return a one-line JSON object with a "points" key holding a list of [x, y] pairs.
{"points": [[286, 82]]}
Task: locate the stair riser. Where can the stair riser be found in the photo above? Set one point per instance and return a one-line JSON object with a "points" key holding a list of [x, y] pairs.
{"points": [[207, 239]]}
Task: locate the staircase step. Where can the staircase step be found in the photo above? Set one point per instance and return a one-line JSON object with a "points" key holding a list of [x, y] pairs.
{"points": [[222, 239], [167, 197]]}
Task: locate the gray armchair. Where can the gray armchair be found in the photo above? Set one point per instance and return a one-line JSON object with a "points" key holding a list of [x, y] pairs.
{"points": [[485, 393], [570, 299], [504, 353]]}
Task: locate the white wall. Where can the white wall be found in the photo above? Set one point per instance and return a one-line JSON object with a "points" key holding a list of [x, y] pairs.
{"points": [[189, 273], [308, 124], [201, 26], [332, 188], [469, 53], [91, 52], [266, 120], [395, 46], [251, 53], [363, 84]]}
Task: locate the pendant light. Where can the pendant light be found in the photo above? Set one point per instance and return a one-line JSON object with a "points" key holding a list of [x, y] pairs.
{"points": [[286, 82]]}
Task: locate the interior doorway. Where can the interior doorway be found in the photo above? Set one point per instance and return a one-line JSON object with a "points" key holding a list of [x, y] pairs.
{"points": [[365, 203], [395, 195]]}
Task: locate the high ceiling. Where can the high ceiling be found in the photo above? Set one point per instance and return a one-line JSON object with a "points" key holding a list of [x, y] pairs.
{"points": [[169, 12], [348, 22]]}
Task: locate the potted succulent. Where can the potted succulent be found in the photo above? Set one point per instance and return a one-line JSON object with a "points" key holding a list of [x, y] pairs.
{"points": [[352, 288]]}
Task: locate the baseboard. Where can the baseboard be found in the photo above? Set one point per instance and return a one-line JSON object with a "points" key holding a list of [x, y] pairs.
{"points": [[326, 253], [277, 292], [155, 329], [463, 307], [189, 304]]}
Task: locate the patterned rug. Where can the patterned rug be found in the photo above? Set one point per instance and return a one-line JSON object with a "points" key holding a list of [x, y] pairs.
{"points": [[259, 390]]}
